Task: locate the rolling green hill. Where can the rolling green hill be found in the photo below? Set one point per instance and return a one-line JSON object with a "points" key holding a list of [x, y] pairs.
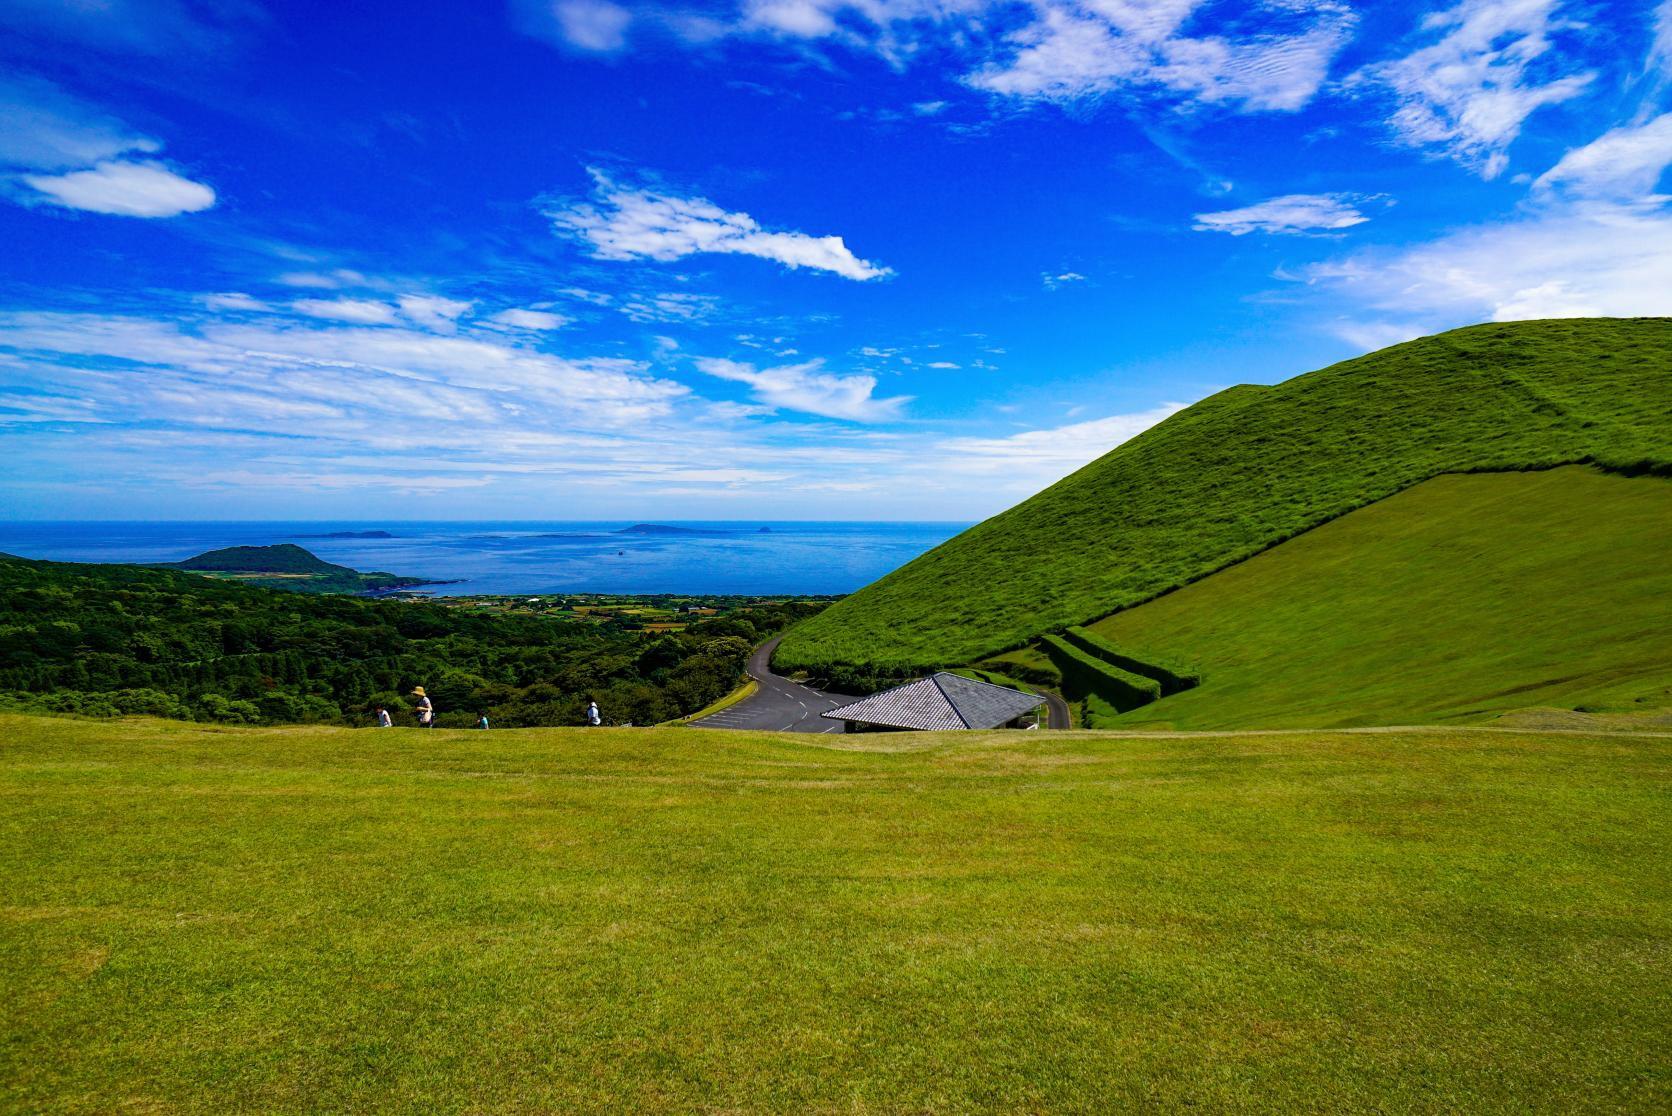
{"points": [[1252, 466], [1455, 600]]}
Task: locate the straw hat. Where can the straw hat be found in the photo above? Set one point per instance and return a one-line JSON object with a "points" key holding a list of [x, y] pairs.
{"points": [[419, 690]]}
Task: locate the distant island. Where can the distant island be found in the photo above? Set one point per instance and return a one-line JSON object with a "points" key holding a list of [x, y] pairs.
{"points": [[661, 529], [350, 535], [287, 566]]}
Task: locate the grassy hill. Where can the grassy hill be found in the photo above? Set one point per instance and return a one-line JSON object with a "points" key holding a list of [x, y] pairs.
{"points": [[1252, 466], [288, 566], [211, 919], [1457, 599]]}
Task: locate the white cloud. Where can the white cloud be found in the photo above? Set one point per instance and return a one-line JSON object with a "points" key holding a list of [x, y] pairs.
{"points": [[234, 300], [671, 306], [357, 310], [1568, 261], [807, 388], [67, 153], [1291, 213], [1625, 163], [1052, 282], [1035, 458], [1275, 73], [268, 372], [124, 189], [943, 365], [596, 26], [432, 311], [1660, 53], [519, 318], [622, 223], [1370, 336], [322, 280], [1066, 50], [1469, 92]]}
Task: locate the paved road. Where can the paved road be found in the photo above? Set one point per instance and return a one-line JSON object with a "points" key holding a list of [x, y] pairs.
{"points": [[1056, 709], [779, 705]]}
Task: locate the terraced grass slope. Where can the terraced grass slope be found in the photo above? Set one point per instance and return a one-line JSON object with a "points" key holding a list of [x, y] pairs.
{"points": [[1252, 466], [1457, 599], [207, 919]]}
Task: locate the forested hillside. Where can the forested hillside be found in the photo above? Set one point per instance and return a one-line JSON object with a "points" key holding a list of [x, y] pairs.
{"points": [[103, 640], [1252, 466]]}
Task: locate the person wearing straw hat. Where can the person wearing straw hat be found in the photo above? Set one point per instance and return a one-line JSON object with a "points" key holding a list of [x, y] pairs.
{"points": [[426, 711]]}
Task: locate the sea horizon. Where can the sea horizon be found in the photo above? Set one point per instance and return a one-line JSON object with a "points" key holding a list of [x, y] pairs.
{"points": [[527, 556]]}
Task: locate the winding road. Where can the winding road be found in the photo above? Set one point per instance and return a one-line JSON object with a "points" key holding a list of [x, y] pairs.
{"points": [[780, 705]]}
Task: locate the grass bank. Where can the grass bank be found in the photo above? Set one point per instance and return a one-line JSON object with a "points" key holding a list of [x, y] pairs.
{"points": [[204, 919], [1461, 598]]}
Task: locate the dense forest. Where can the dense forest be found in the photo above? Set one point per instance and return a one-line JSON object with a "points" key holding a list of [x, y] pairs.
{"points": [[110, 640]]}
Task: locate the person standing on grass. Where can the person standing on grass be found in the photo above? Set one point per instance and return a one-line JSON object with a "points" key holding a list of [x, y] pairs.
{"points": [[481, 720], [592, 717], [425, 711], [383, 720]]}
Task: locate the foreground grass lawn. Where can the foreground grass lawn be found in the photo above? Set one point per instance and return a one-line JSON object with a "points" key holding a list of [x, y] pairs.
{"points": [[202, 919]]}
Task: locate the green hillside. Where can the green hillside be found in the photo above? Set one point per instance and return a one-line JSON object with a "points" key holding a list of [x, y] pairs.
{"points": [[1252, 466], [1457, 599], [211, 919]]}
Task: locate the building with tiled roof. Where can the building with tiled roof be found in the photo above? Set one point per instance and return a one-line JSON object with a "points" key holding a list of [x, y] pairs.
{"points": [[940, 701]]}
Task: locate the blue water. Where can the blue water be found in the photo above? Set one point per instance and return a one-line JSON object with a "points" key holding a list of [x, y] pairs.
{"points": [[533, 558]]}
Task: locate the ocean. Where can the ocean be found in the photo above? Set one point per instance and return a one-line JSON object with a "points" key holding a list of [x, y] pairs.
{"points": [[531, 558]]}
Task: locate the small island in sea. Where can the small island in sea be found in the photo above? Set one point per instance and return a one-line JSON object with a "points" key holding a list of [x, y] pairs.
{"points": [[288, 566], [663, 529]]}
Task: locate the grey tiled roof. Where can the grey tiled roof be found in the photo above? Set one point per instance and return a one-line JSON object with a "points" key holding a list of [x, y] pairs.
{"points": [[940, 701]]}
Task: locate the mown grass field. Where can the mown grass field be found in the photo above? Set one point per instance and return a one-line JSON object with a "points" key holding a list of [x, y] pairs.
{"points": [[202, 919], [1458, 599], [1252, 466]]}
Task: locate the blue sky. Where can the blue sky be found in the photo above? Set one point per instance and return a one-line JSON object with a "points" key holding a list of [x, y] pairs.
{"points": [[894, 259]]}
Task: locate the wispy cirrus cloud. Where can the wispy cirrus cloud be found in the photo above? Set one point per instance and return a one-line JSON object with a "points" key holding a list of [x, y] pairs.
{"points": [[1660, 51], [433, 312], [1031, 459], [361, 311], [1571, 261], [629, 223], [1627, 162], [1069, 52], [806, 387], [1035, 50], [523, 318], [1290, 214], [1468, 93]]}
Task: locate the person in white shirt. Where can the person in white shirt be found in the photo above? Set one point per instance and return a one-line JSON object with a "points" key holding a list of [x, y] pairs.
{"points": [[383, 720], [426, 711], [592, 717]]}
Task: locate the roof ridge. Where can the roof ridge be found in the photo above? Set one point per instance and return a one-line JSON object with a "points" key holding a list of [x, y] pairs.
{"points": [[936, 679]]}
